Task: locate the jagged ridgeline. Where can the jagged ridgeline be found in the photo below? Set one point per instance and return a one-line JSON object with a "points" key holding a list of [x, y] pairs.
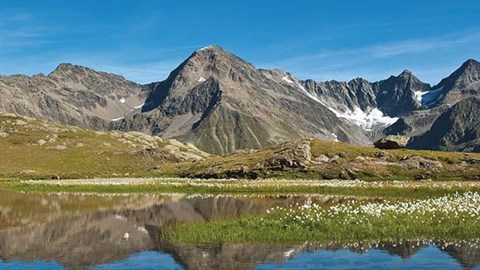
{"points": [[222, 104]]}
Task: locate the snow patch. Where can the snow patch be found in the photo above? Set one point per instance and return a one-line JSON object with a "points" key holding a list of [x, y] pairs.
{"points": [[311, 96], [287, 79], [201, 79], [122, 100], [366, 120], [139, 106], [335, 137], [117, 119], [206, 47], [429, 97], [142, 105]]}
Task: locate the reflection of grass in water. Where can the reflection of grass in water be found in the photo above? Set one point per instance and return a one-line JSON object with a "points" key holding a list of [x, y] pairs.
{"points": [[454, 217]]}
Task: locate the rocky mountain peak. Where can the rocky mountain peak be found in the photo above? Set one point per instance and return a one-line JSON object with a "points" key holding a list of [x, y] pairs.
{"points": [[222, 103], [469, 70], [471, 64], [70, 71], [72, 95], [64, 68], [407, 77], [213, 54], [462, 83], [212, 48], [406, 74], [208, 54], [396, 95], [78, 73], [210, 61], [358, 81]]}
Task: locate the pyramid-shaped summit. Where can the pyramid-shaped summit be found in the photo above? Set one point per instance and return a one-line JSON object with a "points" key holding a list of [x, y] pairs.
{"points": [[222, 103], [461, 84]]}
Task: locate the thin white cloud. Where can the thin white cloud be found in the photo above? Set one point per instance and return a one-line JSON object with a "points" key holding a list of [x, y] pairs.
{"points": [[420, 45], [14, 18], [388, 49], [20, 30], [345, 64], [25, 37]]}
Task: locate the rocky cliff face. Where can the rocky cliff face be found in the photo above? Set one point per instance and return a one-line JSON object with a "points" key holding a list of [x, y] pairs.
{"points": [[457, 129], [71, 95], [221, 103], [394, 96], [461, 84], [342, 96], [397, 95]]}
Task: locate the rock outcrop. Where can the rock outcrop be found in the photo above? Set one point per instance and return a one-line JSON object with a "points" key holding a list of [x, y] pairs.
{"points": [[222, 104], [72, 95], [420, 163], [392, 142], [457, 129], [294, 155]]}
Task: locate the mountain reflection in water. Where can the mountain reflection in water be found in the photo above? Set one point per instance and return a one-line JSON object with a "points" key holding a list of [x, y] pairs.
{"points": [[55, 231]]}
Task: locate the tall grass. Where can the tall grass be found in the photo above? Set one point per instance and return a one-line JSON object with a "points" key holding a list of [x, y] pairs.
{"points": [[348, 188], [449, 218]]}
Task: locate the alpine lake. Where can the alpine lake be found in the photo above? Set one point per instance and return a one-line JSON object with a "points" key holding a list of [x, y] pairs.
{"points": [[156, 230]]}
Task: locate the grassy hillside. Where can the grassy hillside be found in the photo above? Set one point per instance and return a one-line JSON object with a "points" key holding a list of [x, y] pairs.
{"points": [[36, 149], [335, 160]]}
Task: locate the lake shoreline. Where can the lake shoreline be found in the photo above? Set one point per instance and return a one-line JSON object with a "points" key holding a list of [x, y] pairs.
{"points": [[400, 189]]}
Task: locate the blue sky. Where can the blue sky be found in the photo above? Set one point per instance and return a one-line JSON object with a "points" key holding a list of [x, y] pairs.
{"points": [[322, 40]]}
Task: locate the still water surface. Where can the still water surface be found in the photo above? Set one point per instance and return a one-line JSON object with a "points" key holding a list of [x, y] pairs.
{"points": [[81, 231]]}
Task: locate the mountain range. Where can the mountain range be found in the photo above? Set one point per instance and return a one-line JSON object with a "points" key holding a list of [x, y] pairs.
{"points": [[223, 104]]}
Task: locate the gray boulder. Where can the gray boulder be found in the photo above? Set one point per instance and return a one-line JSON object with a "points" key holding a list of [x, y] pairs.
{"points": [[392, 142], [293, 155], [420, 163]]}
